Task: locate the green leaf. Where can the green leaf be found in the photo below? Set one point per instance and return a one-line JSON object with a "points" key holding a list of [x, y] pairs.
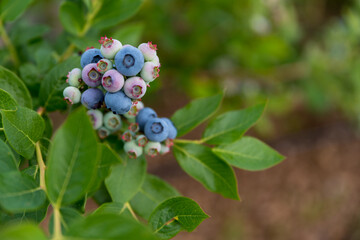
{"points": [[203, 165], [230, 126], [153, 192], [126, 179], [174, 215], [249, 153], [116, 12], [113, 207], [72, 159], [109, 226], [12, 9], [15, 87], [23, 32], [196, 112], [36, 216], [130, 33], [68, 217], [25, 231], [8, 162], [23, 128], [54, 83], [7, 102], [72, 17], [108, 158], [19, 192]]}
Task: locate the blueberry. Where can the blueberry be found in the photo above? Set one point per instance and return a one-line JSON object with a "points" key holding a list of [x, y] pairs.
{"points": [[148, 50], [135, 87], [172, 128], [112, 121], [129, 61], [74, 77], [156, 130], [132, 149], [104, 65], [164, 149], [127, 136], [118, 102], [152, 148], [91, 76], [134, 110], [72, 94], [112, 81], [92, 98], [141, 140], [92, 55], [109, 47], [96, 118], [103, 132], [144, 115], [150, 72]]}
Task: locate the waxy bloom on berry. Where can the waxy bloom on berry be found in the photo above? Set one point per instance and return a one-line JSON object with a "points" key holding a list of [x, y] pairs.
{"points": [[112, 81], [144, 115], [129, 61], [149, 72], [135, 87], [96, 118], [104, 65], [72, 94], [156, 130], [148, 50], [109, 47], [133, 150], [91, 76], [74, 77], [118, 102], [152, 148], [92, 98], [91, 55]]}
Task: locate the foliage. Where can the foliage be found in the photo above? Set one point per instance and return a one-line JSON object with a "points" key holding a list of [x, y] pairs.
{"points": [[64, 169]]}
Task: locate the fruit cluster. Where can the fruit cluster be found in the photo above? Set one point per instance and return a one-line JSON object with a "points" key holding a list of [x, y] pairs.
{"points": [[111, 83]]}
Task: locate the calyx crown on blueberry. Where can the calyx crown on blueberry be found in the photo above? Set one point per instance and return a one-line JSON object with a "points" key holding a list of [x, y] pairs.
{"points": [[110, 83]]}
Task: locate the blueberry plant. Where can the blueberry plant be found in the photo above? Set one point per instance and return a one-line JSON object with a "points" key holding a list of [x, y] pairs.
{"points": [[100, 151]]}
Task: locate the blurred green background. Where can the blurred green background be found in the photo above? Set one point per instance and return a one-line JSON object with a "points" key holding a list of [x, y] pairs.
{"points": [[302, 55]]}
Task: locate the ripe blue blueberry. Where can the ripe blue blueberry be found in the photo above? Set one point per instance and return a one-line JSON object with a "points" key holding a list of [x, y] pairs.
{"points": [[118, 102], [72, 94], [156, 130], [144, 115], [74, 77], [96, 118], [129, 61], [104, 65], [152, 148], [92, 98], [109, 47], [112, 81], [135, 87], [172, 128], [112, 121], [91, 76], [91, 55], [132, 149]]}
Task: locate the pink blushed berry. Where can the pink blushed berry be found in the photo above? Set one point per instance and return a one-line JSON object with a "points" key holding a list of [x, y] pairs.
{"points": [[150, 72], [148, 50], [112, 81], [135, 87], [91, 76], [109, 47], [72, 95]]}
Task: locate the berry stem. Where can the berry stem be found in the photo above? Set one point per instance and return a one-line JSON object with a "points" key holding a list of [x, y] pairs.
{"points": [[128, 206], [9, 45], [188, 141], [41, 166], [57, 224], [1, 129], [89, 21]]}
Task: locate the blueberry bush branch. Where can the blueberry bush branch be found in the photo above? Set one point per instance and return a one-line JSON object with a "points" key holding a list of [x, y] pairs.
{"points": [[102, 150]]}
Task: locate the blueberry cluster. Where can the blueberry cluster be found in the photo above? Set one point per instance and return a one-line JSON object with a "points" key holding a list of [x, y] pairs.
{"points": [[111, 83]]}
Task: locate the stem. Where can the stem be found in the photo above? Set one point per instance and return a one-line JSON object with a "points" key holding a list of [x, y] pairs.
{"points": [[40, 110], [89, 21], [57, 224], [1, 129], [188, 141], [41, 166], [128, 206], [9, 45]]}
